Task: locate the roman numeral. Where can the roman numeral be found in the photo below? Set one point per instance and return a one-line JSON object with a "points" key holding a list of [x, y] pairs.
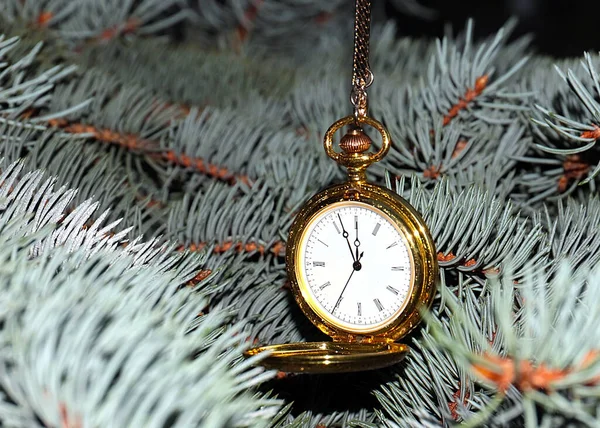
{"points": [[359, 309], [322, 242], [392, 245], [336, 227], [392, 289], [398, 268], [327, 284], [378, 304], [377, 226], [319, 264]]}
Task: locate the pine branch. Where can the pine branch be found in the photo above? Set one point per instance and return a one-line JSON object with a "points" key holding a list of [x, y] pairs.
{"points": [[452, 120], [83, 275], [252, 220], [474, 231], [578, 128], [445, 392], [573, 233], [22, 85], [537, 349], [91, 22], [250, 80]]}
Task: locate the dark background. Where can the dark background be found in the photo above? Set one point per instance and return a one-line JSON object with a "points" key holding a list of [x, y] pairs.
{"points": [[560, 27]]}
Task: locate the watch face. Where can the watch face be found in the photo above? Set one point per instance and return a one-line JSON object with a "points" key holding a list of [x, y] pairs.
{"points": [[355, 267]]}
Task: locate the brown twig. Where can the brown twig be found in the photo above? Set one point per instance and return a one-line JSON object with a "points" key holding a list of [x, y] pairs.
{"points": [[453, 405], [470, 95], [127, 27], [432, 172], [249, 16], [323, 17], [594, 133], [203, 167], [460, 146], [132, 142], [480, 84], [65, 420], [575, 169], [525, 375], [278, 248], [44, 18], [200, 276], [451, 257]]}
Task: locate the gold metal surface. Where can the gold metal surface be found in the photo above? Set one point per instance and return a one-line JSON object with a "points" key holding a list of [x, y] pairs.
{"points": [[362, 76], [418, 240], [330, 357], [356, 163], [354, 347], [355, 141]]}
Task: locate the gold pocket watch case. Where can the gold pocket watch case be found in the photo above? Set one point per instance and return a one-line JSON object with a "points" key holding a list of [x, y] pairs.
{"points": [[362, 265]]}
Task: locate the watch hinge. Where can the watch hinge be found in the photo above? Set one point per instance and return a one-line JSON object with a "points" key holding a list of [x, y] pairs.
{"points": [[357, 338]]}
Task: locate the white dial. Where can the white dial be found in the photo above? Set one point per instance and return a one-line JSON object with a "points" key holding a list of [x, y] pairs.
{"points": [[357, 266]]}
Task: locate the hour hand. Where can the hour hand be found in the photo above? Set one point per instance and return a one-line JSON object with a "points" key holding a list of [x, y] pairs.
{"points": [[345, 235]]}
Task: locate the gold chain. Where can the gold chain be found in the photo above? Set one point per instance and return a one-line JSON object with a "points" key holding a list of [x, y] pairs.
{"points": [[362, 77]]}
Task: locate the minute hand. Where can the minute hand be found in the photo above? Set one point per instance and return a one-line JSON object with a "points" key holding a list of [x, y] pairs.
{"points": [[345, 235], [356, 241]]}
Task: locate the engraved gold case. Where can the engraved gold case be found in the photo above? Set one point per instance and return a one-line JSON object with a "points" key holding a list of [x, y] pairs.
{"points": [[355, 347]]}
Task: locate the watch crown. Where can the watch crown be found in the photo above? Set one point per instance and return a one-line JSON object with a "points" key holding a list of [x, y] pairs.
{"points": [[355, 141]]}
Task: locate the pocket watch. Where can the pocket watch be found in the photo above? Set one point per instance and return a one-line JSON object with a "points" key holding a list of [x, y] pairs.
{"points": [[361, 264], [360, 259]]}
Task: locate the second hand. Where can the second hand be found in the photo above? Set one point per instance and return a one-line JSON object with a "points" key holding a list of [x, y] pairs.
{"points": [[339, 300]]}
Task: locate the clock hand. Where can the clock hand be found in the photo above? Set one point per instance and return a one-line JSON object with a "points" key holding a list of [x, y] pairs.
{"points": [[342, 293], [356, 241], [345, 235]]}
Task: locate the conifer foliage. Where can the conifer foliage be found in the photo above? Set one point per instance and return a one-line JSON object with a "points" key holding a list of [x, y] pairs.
{"points": [[154, 154]]}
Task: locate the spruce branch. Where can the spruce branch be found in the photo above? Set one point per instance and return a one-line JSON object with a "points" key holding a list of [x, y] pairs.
{"points": [[263, 22], [539, 350], [475, 231], [444, 392], [26, 136], [217, 161], [396, 59], [221, 78], [579, 129], [98, 327], [35, 200], [75, 164], [90, 21], [550, 179], [251, 223], [572, 232], [462, 73], [451, 121], [81, 274], [22, 86]]}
